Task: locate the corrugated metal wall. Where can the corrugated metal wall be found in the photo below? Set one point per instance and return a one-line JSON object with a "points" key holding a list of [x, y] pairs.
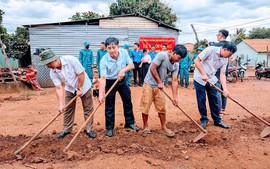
{"points": [[68, 39]]}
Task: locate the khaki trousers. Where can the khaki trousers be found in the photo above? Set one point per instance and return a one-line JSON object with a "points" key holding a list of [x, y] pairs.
{"points": [[87, 103]]}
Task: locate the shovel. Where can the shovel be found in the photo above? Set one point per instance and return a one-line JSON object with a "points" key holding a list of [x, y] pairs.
{"points": [[88, 119], [203, 133], [28, 142], [266, 131]]}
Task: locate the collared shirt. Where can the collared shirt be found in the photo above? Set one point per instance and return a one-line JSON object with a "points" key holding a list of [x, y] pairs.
{"points": [[86, 58], [146, 59], [100, 54], [68, 74], [110, 67], [137, 55], [152, 54], [211, 61], [162, 60]]}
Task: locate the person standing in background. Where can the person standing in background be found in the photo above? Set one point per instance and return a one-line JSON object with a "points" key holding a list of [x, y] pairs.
{"points": [[221, 36], [86, 58], [128, 74], [184, 65], [100, 53], [145, 62], [137, 55], [153, 52]]}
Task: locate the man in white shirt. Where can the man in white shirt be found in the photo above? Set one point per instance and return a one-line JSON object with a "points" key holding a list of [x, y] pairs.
{"points": [[68, 70], [207, 63]]}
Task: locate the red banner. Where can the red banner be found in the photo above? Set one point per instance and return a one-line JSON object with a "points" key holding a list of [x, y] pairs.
{"points": [[147, 41]]}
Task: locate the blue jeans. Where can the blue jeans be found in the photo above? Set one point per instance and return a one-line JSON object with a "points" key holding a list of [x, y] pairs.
{"points": [[184, 74], [212, 99], [222, 99]]}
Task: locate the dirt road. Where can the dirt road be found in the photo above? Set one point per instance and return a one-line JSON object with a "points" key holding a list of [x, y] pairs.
{"points": [[239, 147]]}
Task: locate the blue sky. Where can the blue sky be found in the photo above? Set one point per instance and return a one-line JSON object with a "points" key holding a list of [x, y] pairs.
{"points": [[207, 16]]}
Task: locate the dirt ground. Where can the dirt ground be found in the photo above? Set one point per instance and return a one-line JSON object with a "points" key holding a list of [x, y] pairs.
{"points": [[24, 114]]}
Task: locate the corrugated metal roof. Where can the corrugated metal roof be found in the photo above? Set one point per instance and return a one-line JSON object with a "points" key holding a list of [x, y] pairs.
{"points": [[96, 22], [259, 45]]}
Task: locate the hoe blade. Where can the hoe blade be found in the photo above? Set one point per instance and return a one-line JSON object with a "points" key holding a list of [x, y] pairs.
{"points": [[201, 135], [265, 132]]}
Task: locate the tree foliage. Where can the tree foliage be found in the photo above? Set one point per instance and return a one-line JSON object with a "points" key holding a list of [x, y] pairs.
{"points": [[154, 9], [17, 43], [239, 35], [85, 16], [259, 33], [203, 44]]}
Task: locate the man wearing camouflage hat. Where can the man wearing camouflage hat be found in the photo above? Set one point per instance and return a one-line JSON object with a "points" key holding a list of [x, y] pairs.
{"points": [[67, 69]]}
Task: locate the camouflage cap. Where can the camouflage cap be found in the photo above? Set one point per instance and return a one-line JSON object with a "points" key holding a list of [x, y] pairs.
{"points": [[47, 56]]}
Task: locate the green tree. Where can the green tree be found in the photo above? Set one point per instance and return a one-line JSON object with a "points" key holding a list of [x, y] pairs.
{"points": [[17, 43], [85, 16], [2, 29], [239, 35], [259, 33], [203, 44], [1, 15], [154, 9]]}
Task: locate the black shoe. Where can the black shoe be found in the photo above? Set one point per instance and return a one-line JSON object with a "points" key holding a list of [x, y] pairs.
{"points": [[90, 134], [203, 125], [109, 133], [63, 134], [140, 85], [133, 127], [222, 125], [135, 85]]}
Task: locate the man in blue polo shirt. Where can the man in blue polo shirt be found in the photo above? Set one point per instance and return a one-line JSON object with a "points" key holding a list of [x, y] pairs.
{"points": [[137, 55], [153, 52], [113, 66]]}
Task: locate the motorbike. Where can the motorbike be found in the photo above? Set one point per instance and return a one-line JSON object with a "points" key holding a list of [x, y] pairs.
{"points": [[232, 74], [261, 71], [241, 70]]}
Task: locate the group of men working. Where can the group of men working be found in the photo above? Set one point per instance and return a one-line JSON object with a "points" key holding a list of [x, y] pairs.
{"points": [[115, 65]]}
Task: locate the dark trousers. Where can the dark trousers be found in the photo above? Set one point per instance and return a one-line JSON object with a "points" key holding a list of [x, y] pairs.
{"points": [[212, 99], [145, 68], [139, 70], [125, 94], [222, 98]]}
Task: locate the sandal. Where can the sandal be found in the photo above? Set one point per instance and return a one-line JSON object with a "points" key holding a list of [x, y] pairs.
{"points": [[146, 131], [168, 133]]}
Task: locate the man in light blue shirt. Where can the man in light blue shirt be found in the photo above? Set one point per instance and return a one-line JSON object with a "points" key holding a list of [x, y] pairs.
{"points": [[100, 53], [207, 63], [113, 66], [86, 58]]}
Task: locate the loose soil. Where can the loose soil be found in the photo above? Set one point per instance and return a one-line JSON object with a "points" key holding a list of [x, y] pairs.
{"points": [[23, 114]]}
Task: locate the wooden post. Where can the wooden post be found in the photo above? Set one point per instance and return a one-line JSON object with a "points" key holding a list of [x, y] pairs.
{"points": [[267, 55], [196, 36]]}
